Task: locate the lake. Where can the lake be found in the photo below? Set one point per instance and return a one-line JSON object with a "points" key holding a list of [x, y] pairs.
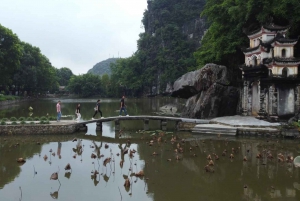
{"points": [[169, 173]]}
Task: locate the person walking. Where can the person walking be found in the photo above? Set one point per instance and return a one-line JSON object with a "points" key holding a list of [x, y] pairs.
{"points": [[77, 112], [97, 109], [123, 107], [58, 110]]}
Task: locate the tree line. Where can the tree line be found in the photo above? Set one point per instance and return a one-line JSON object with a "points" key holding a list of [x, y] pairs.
{"points": [[24, 68]]}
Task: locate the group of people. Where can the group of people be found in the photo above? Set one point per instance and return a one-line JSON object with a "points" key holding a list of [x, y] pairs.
{"points": [[97, 109]]}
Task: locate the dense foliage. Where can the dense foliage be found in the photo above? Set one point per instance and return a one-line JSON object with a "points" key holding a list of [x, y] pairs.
{"points": [[24, 68], [88, 85], [164, 52], [231, 19], [103, 67]]}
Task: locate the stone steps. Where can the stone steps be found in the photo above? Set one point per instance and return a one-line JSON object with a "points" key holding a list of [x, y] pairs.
{"points": [[214, 129]]}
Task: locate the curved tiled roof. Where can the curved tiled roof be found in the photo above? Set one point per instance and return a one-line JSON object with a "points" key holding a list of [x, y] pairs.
{"points": [[250, 49]]}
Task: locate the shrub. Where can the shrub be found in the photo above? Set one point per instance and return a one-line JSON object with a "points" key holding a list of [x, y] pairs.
{"points": [[29, 119], [31, 122], [43, 118], [22, 119], [13, 119], [4, 119], [52, 118], [36, 119], [3, 123], [23, 122], [14, 123]]}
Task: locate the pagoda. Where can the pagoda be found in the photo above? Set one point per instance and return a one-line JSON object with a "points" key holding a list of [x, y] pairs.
{"points": [[271, 84]]}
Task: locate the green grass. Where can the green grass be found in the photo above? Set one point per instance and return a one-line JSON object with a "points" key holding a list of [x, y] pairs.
{"points": [[6, 97]]}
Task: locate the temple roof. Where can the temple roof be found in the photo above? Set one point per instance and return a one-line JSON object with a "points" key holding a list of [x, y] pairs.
{"points": [[245, 50], [281, 60], [271, 27]]}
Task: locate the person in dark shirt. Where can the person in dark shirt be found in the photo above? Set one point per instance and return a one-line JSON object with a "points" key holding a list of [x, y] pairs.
{"points": [[97, 109], [123, 106]]}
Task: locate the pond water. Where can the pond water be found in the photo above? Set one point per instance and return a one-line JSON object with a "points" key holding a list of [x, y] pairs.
{"points": [[165, 177]]}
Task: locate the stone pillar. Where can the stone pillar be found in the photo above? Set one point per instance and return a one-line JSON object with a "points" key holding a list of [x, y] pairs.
{"points": [[262, 109], [163, 125], [117, 124], [297, 99], [146, 124], [271, 94], [245, 99], [273, 101], [98, 126]]}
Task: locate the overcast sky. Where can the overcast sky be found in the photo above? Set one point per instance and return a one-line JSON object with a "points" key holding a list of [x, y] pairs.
{"points": [[76, 33]]}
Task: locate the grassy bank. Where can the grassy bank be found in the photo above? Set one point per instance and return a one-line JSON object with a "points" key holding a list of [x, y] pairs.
{"points": [[5, 97]]}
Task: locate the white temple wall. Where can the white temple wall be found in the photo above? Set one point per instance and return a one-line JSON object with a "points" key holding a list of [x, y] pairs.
{"points": [[292, 71], [289, 51], [266, 55]]}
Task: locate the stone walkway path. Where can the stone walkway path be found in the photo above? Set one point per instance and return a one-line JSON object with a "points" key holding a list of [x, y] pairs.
{"points": [[241, 121]]}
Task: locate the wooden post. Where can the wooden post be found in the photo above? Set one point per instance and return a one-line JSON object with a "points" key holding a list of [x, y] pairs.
{"points": [[163, 125], [98, 126], [146, 124], [117, 124]]}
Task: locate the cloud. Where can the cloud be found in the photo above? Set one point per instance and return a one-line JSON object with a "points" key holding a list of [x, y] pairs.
{"points": [[76, 33]]}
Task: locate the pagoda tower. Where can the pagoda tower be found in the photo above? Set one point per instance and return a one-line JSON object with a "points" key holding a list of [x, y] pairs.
{"points": [[270, 74]]}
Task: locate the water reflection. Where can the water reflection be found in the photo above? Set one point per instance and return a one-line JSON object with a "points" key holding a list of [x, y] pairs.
{"points": [[102, 177]]}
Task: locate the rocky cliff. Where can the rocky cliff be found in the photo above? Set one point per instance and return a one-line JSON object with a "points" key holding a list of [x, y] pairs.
{"points": [[208, 91]]}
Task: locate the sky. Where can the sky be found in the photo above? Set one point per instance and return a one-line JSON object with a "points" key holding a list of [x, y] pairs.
{"points": [[76, 33]]}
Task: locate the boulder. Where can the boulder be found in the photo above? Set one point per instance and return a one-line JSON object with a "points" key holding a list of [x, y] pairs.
{"points": [[208, 91]]}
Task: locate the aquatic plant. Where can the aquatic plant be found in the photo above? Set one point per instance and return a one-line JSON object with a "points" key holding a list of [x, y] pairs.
{"points": [[29, 119], [13, 119], [22, 119], [14, 123], [3, 123]]}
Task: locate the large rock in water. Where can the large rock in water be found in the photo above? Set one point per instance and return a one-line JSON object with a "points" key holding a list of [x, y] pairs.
{"points": [[208, 91]]}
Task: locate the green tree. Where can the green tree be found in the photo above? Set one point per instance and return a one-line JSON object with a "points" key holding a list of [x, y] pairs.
{"points": [[63, 74], [230, 19], [10, 54]]}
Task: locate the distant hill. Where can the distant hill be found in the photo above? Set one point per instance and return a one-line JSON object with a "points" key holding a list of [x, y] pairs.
{"points": [[103, 67]]}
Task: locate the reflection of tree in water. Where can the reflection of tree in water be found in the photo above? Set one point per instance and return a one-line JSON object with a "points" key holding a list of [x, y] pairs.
{"points": [[9, 169]]}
